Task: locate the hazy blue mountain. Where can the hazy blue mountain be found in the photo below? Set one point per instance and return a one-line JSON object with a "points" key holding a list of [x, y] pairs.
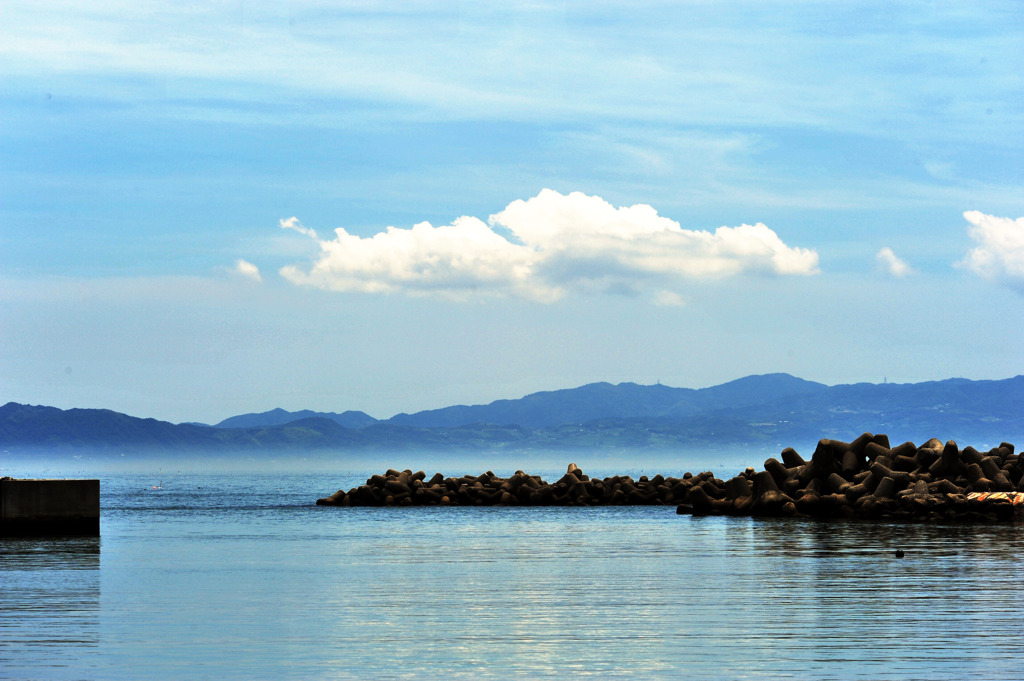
{"points": [[51, 427], [544, 409], [278, 417], [774, 410], [308, 433], [955, 408], [978, 412], [604, 400], [753, 390]]}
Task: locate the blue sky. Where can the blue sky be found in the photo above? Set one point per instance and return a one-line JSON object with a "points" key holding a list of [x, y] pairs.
{"points": [[225, 207]]}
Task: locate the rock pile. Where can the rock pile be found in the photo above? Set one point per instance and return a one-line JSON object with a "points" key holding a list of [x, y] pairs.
{"points": [[865, 478], [575, 488]]}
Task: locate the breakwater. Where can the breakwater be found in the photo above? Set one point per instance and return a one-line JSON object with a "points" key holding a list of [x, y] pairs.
{"points": [[575, 488], [866, 478]]}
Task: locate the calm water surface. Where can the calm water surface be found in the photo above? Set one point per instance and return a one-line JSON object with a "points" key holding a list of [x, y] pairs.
{"points": [[242, 577]]}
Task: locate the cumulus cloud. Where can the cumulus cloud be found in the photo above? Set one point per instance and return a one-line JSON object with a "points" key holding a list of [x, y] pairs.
{"points": [[556, 244], [999, 254], [247, 269], [892, 264]]}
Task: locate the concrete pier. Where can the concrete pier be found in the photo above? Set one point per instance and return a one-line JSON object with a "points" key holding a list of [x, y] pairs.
{"points": [[49, 507]]}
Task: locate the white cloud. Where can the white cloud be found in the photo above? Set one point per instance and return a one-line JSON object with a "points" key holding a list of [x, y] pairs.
{"points": [[1000, 251], [454, 260], [665, 298], [247, 269], [892, 264], [294, 224], [558, 244]]}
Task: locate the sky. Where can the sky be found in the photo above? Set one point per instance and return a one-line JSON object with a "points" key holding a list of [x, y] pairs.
{"points": [[225, 207]]}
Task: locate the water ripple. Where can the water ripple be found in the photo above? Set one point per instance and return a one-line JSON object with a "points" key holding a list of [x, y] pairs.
{"points": [[235, 578]]}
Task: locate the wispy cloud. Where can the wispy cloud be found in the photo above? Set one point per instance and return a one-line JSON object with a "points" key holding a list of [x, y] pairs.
{"points": [[892, 264], [769, 63], [999, 254], [294, 224], [665, 298], [556, 244], [246, 269]]}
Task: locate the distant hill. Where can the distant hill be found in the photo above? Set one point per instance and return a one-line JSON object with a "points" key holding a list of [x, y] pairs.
{"points": [[773, 410], [981, 413], [51, 427], [604, 400], [278, 417]]}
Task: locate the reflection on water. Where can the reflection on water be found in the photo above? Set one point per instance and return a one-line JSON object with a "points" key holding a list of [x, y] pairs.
{"points": [[243, 577], [835, 596], [50, 591]]}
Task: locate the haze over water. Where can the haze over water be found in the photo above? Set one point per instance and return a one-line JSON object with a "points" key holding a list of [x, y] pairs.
{"points": [[241, 576]]}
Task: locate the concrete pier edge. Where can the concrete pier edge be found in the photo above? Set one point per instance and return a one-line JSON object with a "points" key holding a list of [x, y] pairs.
{"points": [[49, 507]]}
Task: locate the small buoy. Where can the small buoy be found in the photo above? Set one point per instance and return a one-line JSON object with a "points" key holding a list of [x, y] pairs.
{"points": [[899, 553]]}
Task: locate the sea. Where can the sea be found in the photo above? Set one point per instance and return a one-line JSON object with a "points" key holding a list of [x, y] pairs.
{"points": [[239, 575]]}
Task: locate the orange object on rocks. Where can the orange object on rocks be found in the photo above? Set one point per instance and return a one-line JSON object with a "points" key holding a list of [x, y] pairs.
{"points": [[1015, 498]]}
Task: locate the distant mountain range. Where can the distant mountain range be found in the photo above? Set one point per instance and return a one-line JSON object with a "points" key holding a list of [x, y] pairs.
{"points": [[279, 417], [573, 406], [766, 410]]}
